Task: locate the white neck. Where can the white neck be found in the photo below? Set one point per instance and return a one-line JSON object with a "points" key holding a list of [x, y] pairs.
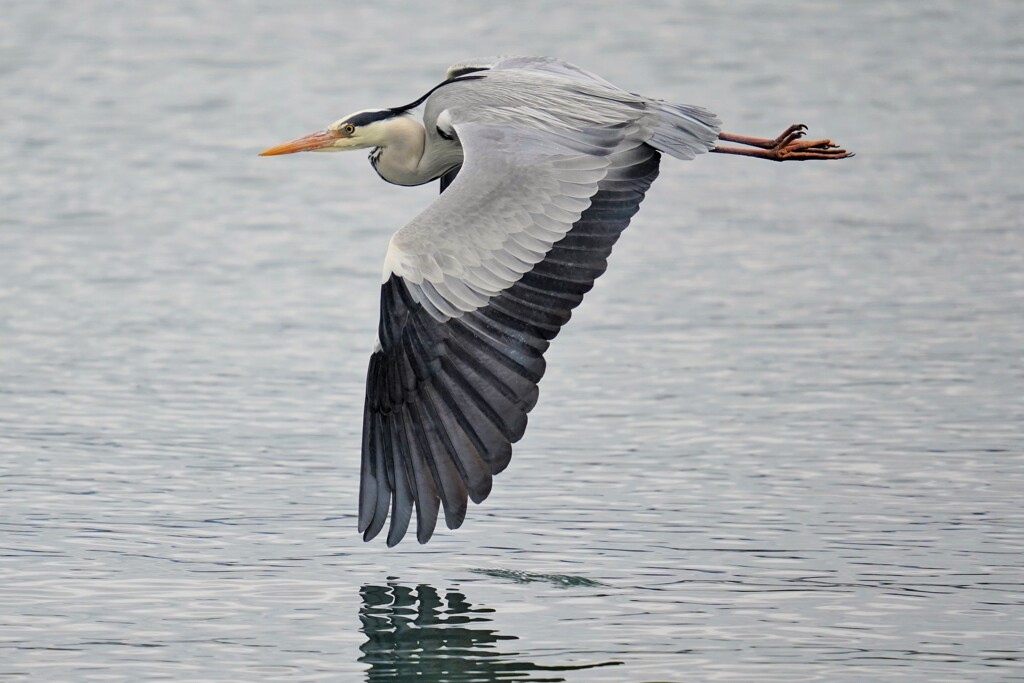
{"points": [[400, 155]]}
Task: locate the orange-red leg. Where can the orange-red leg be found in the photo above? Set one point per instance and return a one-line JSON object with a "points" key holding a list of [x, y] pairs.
{"points": [[789, 146]]}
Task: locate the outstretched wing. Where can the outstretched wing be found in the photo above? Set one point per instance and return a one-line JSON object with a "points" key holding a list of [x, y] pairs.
{"points": [[475, 289], [555, 164]]}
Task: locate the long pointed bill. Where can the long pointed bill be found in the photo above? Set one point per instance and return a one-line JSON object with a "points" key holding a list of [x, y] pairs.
{"points": [[309, 143]]}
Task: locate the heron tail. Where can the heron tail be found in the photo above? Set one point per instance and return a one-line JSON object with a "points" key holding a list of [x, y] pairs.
{"points": [[682, 130]]}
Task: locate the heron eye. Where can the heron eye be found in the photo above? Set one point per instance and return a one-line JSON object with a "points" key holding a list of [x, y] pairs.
{"points": [[348, 129]]}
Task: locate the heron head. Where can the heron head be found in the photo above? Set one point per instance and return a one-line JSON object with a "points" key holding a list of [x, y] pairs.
{"points": [[367, 128]]}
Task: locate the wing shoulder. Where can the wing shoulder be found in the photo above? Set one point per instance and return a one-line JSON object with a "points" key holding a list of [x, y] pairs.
{"points": [[535, 64], [519, 191]]}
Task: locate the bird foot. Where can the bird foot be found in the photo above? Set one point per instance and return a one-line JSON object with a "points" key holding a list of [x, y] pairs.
{"points": [[790, 145]]}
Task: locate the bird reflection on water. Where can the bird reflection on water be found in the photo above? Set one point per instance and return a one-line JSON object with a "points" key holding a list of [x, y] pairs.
{"points": [[418, 634]]}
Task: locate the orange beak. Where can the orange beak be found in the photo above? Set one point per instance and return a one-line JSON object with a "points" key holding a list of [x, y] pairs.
{"points": [[310, 143]]}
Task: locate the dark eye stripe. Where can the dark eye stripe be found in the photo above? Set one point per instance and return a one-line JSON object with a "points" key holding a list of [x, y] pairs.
{"points": [[367, 117]]}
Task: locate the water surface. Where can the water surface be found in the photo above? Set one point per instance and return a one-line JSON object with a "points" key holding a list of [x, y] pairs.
{"points": [[780, 440]]}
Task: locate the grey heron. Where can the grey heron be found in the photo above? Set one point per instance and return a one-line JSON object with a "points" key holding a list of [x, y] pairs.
{"points": [[541, 167]]}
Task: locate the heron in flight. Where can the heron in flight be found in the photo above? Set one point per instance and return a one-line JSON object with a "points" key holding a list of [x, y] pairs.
{"points": [[541, 167]]}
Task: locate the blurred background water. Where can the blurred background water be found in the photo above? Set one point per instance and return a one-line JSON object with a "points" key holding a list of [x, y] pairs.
{"points": [[781, 440]]}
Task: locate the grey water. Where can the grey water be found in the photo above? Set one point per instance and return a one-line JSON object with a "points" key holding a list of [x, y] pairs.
{"points": [[782, 439]]}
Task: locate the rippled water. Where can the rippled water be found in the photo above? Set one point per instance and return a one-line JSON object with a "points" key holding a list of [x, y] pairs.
{"points": [[781, 440]]}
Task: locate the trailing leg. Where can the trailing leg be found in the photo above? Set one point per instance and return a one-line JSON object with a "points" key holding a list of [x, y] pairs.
{"points": [[789, 146]]}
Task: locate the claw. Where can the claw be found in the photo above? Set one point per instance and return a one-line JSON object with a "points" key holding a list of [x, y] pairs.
{"points": [[794, 132], [789, 136]]}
